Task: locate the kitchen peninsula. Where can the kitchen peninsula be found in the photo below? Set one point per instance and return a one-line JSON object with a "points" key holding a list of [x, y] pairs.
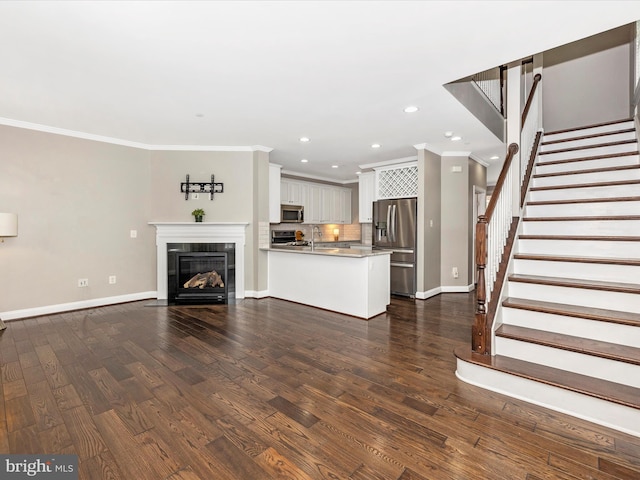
{"points": [[346, 280]]}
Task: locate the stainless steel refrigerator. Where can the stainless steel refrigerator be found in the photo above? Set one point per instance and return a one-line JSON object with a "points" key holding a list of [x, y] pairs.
{"points": [[394, 228]]}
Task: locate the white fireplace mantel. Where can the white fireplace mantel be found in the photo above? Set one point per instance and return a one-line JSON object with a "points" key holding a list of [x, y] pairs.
{"points": [[198, 232]]}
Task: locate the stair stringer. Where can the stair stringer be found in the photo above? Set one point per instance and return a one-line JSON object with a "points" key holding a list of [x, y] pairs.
{"points": [[592, 409]]}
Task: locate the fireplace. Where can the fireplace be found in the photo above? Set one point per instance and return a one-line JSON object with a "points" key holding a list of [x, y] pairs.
{"points": [[200, 273], [201, 277], [176, 237]]}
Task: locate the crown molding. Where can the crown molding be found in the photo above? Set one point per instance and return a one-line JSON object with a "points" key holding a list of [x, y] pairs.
{"points": [[128, 143], [478, 160], [385, 163]]}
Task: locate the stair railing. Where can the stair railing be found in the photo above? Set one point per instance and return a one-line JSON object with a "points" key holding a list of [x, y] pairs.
{"points": [[495, 230], [492, 231]]}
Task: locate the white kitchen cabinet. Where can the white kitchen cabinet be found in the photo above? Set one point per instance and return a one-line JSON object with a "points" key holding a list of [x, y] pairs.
{"points": [[292, 192], [274, 193], [366, 196], [322, 203], [313, 204]]}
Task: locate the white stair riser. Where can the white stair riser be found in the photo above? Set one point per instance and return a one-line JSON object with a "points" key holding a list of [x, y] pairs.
{"points": [[587, 164], [579, 178], [588, 152], [577, 193], [582, 227], [578, 327], [624, 302], [589, 131], [605, 369], [612, 415], [613, 137], [600, 248], [584, 209], [584, 271]]}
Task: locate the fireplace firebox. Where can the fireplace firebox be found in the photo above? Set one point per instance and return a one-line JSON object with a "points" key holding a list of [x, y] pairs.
{"points": [[201, 277], [201, 273]]}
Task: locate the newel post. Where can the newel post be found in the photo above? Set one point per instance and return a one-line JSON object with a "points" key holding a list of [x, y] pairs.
{"points": [[481, 335]]}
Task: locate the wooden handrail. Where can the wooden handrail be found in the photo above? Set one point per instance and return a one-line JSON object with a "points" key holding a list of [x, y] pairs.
{"points": [[511, 151], [527, 106], [527, 174]]}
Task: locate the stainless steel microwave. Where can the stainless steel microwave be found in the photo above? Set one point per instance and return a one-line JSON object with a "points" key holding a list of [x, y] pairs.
{"points": [[291, 213]]}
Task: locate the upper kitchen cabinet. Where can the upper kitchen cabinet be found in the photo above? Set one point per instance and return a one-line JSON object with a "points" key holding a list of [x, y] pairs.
{"points": [[366, 196], [335, 205], [322, 203], [292, 192]]}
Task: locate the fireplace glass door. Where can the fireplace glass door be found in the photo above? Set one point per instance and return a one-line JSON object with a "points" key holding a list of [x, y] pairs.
{"points": [[201, 277]]}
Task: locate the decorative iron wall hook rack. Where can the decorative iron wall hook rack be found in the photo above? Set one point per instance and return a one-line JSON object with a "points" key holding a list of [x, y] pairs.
{"points": [[201, 187]]}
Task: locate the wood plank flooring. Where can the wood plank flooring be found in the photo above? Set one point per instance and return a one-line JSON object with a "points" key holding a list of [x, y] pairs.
{"points": [[267, 389]]}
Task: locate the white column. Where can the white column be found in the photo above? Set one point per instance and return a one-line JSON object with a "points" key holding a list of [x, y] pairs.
{"points": [[514, 113]]}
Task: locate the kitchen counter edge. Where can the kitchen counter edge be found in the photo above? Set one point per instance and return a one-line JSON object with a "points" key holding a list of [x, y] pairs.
{"points": [[339, 252]]}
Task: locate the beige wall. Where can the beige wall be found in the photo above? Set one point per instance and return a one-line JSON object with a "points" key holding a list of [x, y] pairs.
{"points": [[429, 210], [455, 221], [77, 201], [588, 81]]}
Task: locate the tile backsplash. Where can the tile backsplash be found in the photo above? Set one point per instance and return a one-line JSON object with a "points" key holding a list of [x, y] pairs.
{"points": [[346, 232]]}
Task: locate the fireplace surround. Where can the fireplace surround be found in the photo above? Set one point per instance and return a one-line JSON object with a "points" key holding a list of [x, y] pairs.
{"points": [[170, 234]]}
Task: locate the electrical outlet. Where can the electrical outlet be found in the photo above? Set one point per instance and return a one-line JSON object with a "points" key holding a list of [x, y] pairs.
{"points": [[112, 279], [454, 272], [133, 233], [83, 282]]}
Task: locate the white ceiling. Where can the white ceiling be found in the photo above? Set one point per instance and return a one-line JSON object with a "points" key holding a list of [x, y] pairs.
{"points": [[267, 73]]}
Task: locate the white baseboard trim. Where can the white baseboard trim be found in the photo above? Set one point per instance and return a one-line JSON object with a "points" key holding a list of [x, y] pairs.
{"points": [[429, 293], [463, 289], [67, 307], [256, 294]]}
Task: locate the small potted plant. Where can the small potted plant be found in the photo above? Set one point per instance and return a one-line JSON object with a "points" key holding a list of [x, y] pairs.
{"points": [[198, 213]]}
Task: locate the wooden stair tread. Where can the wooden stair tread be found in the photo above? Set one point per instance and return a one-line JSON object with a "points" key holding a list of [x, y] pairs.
{"points": [[581, 218], [587, 147], [594, 125], [586, 185], [584, 200], [585, 137], [596, 348], [577, 283], [576, 311], [588, 170], [598, 238], [634, 262], [540, 163], [593, 387]]}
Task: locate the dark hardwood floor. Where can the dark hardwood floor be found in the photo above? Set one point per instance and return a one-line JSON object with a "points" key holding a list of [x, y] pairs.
{"points": [[270, 389]]}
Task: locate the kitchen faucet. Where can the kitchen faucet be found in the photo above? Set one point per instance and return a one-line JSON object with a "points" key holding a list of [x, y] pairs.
{"points": [[313, 231]]}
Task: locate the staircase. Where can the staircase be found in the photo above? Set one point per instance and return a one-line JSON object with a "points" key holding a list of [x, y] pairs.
{"points": [[567, 333]]}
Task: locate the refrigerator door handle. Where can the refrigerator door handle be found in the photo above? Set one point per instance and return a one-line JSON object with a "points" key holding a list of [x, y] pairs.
{"points": [[394, 222], [403, 265], [395, 250], [389, 237]]}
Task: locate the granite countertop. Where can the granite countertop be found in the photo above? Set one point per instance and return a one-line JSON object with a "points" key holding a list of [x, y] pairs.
{"points": [[359, 252]]}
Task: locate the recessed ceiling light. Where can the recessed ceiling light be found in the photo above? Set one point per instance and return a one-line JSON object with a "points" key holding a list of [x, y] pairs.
{"points": [[448, 134], [456, 138], [495, 157], [334, 166], [411, 109], [375, 145], [304, 139], [304, 160], [358, 173]]}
